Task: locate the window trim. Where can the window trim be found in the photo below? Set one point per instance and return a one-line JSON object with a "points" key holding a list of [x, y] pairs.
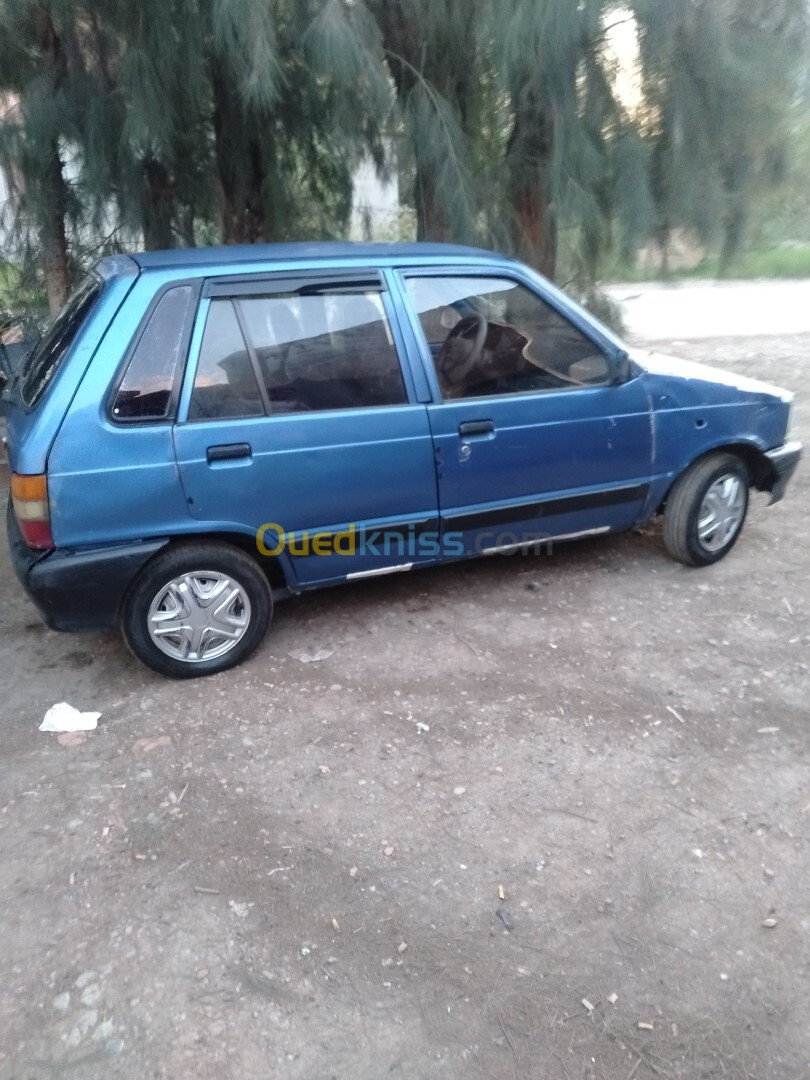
{"points": [[258, 285], [182, 356], [190, 380], [606, 348], [567, 308], [258, 374]]}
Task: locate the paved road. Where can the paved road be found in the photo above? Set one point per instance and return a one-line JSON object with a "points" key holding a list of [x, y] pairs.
{"points": [[714, 309]]}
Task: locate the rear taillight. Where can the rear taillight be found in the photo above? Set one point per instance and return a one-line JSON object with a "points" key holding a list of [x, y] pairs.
{"points": [[29, 497]]}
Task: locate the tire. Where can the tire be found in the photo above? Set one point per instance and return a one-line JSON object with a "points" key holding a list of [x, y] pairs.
{"points": [[216, 598], [706, 509]]}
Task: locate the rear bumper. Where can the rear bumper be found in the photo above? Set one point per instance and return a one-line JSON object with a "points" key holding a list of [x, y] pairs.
{"points": [[77, 590], [783, 461]]}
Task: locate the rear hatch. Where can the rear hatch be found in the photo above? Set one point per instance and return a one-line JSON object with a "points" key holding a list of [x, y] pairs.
{"points": [[18, 337], [30, 365], [39, 382]]}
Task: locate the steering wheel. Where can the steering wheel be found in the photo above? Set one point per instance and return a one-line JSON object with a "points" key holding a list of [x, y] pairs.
{"points": [[451, 361]]}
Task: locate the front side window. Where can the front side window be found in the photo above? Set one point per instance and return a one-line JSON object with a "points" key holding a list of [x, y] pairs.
{"points": [[311, 350], [146, 390], [491, 336]]}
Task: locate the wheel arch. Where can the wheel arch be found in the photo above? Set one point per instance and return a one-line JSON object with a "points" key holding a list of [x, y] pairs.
{"points": [[760, 469], [202, 618], [273, 566]]}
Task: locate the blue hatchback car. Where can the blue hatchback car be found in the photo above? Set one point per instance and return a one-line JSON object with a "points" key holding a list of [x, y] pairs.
{"points": [[203, 431]]}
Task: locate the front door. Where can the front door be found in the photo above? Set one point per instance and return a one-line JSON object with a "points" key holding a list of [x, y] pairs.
{"points": [[299, 426], [535, 436]]}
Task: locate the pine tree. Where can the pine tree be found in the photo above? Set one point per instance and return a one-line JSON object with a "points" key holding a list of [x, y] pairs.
{"points": [[168, 121], [39, 64], [512, 121], [433, 52], [718, 80]]}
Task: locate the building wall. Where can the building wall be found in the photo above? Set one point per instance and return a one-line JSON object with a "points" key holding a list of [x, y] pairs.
{"points": [[375, 204]]}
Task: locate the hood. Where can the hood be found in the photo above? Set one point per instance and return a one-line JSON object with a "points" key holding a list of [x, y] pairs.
{"points": [[707, 382]]}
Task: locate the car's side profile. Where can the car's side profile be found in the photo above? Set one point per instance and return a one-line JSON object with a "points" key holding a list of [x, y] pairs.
{"points": [[204, 430]]}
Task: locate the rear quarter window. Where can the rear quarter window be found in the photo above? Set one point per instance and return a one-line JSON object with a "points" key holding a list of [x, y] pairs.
{"points": [[51, 350], [148, 388]]}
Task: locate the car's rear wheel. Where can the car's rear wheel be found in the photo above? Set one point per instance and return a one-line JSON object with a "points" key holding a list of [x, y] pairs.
{"points": [[706, 510], [197, 609]]}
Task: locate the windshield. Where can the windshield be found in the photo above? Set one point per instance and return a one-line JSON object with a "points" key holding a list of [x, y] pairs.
{"points": [[42, 364]]}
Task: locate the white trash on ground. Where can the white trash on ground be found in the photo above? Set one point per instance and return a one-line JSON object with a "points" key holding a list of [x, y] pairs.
{"points": [[63, 717]]}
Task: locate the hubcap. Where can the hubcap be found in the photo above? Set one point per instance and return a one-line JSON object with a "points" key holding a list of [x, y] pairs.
{"points": [[199, 616], [721, 512]]}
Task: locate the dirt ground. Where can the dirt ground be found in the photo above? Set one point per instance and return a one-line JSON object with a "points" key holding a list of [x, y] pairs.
{"points": [[531, 818]]}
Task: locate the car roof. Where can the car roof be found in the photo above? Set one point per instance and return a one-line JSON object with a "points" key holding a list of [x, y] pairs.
{"points": [[205, 261], [245, 253]]}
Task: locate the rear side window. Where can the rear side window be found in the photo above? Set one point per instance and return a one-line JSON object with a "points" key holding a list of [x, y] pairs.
{"points": [[146, 391], [51, 350], [324, 351], [321, 348]]}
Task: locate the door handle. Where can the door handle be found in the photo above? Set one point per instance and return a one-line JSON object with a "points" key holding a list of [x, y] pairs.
{"points": [[228, 452], [476, 427]]}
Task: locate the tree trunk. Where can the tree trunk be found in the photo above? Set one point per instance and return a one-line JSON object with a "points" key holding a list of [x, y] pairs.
{"points": [[447, 70], [663, 234], [52, 233], [736, 174], [158, 206], [239, 164], [536, 230], [431, 223], [528, 159], [733, 235], [47, 176]]}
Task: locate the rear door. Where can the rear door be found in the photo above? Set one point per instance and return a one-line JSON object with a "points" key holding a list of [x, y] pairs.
{"points": [[537, 436], [298, 425]]}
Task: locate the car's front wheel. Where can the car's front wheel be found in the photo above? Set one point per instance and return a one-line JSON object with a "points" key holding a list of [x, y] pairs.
{"points": [[706, 509], [196, 609]]}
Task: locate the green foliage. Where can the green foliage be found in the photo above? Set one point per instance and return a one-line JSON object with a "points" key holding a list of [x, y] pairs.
{"points": [[434, 59], [782, 262], [771, 262], [718, 78], [169, 122], [21, 289], [243, 37]]}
